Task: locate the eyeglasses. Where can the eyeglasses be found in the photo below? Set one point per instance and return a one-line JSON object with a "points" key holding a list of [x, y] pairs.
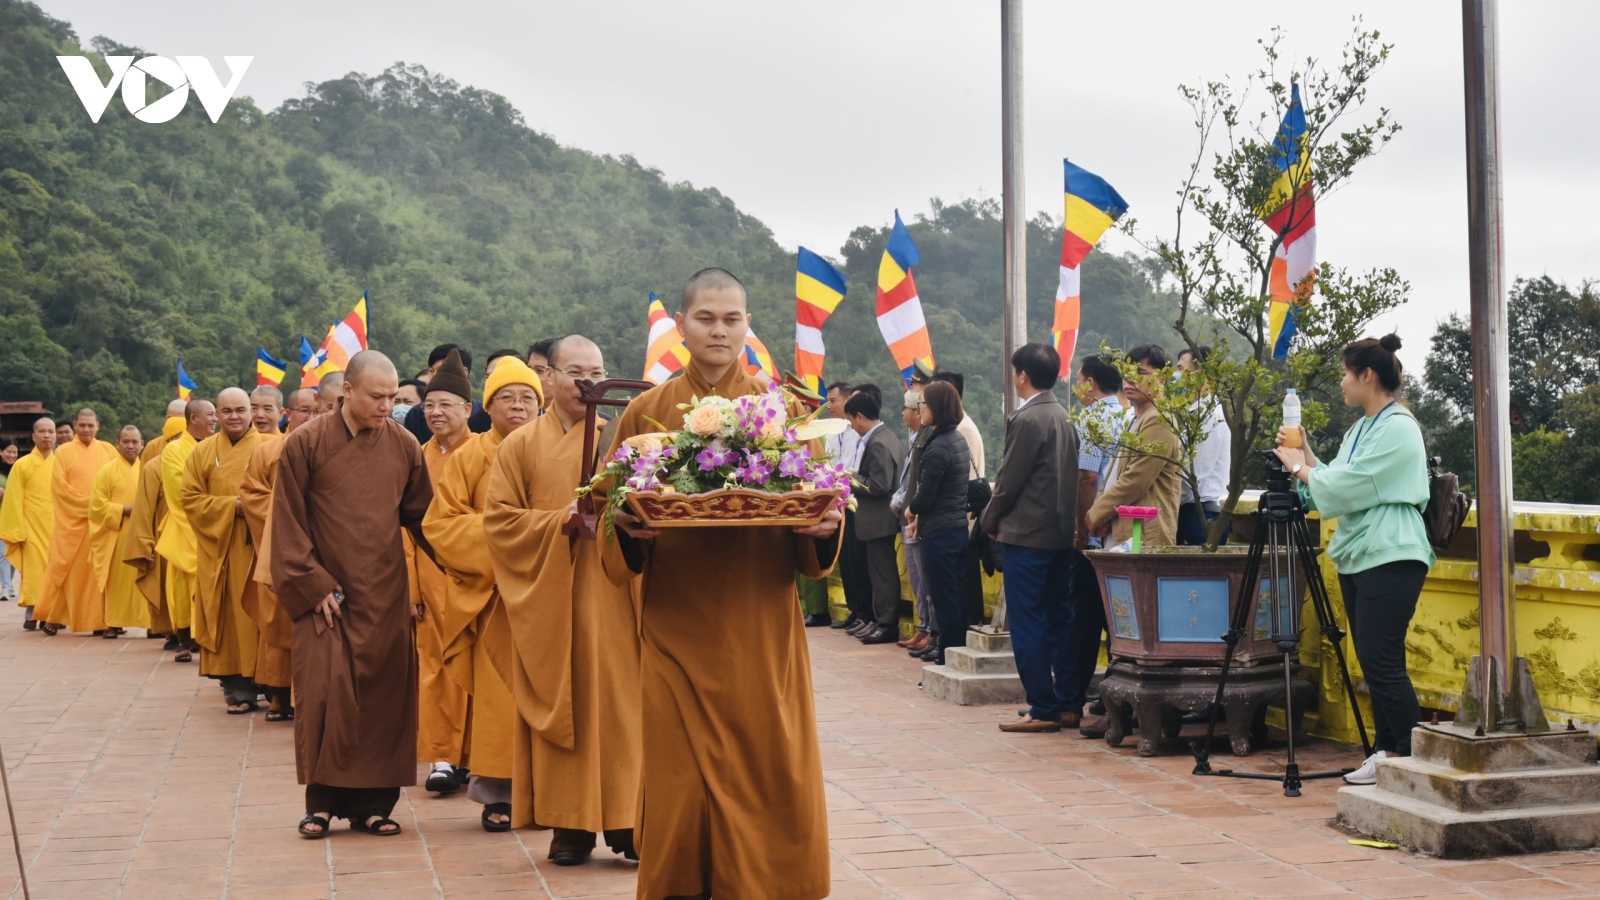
{"points": [[526, 397], [591, 374], [441, 405]]}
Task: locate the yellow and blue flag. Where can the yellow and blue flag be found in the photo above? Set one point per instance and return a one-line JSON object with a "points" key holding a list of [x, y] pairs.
{"points": [[269, 370], [818, 288], [1092, 207], [1291, 214], [899, 309], [186, 384]]}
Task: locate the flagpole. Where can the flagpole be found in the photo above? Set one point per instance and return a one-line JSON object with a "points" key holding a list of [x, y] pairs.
{"points": [[1014, 329]]}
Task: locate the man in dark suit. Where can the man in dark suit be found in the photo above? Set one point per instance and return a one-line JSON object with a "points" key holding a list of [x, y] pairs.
{"points": [[1033, 516], [874, 485]]}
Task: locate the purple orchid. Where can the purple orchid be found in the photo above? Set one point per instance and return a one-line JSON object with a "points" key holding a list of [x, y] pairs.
{"points": [[794, 463], [715, 456], [756, 470]]}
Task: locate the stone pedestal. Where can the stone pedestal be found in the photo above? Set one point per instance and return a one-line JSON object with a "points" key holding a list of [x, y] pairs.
{"points": [[984, 671], [1459, 795], [1160, 695]]}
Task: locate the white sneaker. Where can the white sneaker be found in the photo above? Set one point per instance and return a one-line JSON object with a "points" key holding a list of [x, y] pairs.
{"points": [[1368, 773]]}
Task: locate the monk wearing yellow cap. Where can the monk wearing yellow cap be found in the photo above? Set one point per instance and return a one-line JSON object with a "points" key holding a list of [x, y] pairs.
{"points": [[145, 523], [28, 515], [273, 673], [177, 544], [110, 507], [575, 673], [477, 639], [71, 597]]}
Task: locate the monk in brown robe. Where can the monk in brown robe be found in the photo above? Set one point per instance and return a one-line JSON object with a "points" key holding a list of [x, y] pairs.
{"points": [[145, 523], [71, 597], [575, 671], [732, 787], [477, 638], [441, 702], [223, 590], [348, 482], [110, 505], [273, 674]]}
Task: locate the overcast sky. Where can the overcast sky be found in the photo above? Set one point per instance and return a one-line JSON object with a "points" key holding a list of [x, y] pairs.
{"points": [[820, 116]]}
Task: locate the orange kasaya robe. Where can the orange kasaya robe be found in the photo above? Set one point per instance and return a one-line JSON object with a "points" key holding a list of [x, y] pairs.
{"points": [[26, 518], [71, 596], [277, 632], [144, 530], [114, 488], [477, 651], [228, 638], [177, 543], [441, 703], [575, 672], [732, 792]]}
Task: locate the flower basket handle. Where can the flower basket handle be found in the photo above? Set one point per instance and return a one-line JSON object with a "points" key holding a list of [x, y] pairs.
{"points": [[595, 395]]}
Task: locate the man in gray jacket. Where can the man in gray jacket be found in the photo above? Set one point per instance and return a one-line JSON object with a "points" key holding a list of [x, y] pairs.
{"points": [[1033, 516], [873, 485]]}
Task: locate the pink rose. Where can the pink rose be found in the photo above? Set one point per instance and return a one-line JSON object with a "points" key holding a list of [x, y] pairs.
{"points": [[771, 432], [704, 420], [646, 443]]}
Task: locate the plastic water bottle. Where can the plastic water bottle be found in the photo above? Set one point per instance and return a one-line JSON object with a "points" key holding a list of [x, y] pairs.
{"points": [[1291, 419]]}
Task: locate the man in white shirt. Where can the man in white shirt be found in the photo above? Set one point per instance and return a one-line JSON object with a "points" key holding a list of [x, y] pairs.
{"points": [[844, 447], [1212, 465]]}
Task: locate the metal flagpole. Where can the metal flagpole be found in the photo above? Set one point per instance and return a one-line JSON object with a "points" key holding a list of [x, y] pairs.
{"points": [[16, 840], [1013, 204]]}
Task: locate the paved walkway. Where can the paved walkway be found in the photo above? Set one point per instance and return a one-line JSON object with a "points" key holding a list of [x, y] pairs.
{"points": [[131, 781]]}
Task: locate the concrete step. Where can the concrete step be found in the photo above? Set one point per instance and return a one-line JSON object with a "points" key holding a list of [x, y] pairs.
{"points": [[969, 689], [1457, 748], [989, 642], [979, 662], [1439, 831], [1468, 792]]}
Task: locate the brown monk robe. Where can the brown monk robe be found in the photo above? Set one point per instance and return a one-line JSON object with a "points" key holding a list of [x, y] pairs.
{"points": [[260, 475], [222, 589], [575, 673], [477, 639], [732, 789], [144, 527], [71, 596], [348, 482]]}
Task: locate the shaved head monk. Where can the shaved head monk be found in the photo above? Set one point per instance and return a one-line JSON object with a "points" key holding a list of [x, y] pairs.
{"points": [[27, 516], [273, 672], [473, 621], [71, 597], [266, 408], [144, 526], [329, 391], [575, 667], [212, 476], [348, 483], [177, 543], [110, 508], [732, 788]]}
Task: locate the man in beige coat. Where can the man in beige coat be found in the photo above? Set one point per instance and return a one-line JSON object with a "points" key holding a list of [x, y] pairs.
{"points": [[1145, 472]]}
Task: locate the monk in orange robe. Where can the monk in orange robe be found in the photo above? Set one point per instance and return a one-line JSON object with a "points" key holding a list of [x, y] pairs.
{"points": [[273, 669], [477, 639], [71, 597], [27, 518], [441, 702], [145, 523], [575, 672], [732, 786], [212, 476], [177, 546], [110, 505]]}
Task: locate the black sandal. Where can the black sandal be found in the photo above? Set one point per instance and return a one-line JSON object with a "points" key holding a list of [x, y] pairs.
{"points": [[314, 819], [496, 809], [278, 715], [49, 629], [245, 707], [373, 823], [183, 656]]}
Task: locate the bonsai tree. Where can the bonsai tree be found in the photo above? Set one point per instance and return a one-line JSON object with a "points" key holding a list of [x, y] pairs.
{"points": [[1219, 258]]}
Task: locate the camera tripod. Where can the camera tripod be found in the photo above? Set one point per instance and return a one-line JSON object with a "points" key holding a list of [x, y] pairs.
{"points": [[1283, 541]]}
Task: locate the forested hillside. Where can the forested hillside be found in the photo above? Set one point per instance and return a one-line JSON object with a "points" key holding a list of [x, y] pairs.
{"points": [[125, 245]]}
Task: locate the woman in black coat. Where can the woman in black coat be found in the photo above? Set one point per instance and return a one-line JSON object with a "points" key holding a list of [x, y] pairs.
{"points": [[938, 512]]}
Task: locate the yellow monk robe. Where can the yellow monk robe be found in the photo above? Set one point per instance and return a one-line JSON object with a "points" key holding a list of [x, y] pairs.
{"points": [[114, 488], [71, 595], [732, 785], [273, 623], [441, 703], [26, 517], [177, 544], [474, 652], [144, 530], [575, 673], [228, 638]]}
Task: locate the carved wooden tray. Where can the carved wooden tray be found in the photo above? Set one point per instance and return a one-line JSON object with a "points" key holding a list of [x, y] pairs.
{"points": [[731, 506]]}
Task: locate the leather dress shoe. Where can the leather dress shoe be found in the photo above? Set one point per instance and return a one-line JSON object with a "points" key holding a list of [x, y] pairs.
{"points": [[918, 643], [865, 626], [929, 655], [1030, 725], [1071, 719], [1095, 727], [879, 635], [817, 620], [849, 621]]}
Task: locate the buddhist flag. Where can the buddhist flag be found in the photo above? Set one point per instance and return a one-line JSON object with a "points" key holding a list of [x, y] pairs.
{"points": [[818, 288], [1291, 213], [186, 384], [756, 357], [308, 364], [347, 338], [1092, 206], [665, 355], [899, 309], [269, 370]]}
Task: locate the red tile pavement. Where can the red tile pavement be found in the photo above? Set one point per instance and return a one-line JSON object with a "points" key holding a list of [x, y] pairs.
{"points": [[131, 781]]}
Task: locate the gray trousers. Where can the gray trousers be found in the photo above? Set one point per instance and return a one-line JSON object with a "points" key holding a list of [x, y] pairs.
{"points": [[884, 570], [918, 590]]}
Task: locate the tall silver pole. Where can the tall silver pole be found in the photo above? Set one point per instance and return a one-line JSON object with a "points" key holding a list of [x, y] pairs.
{"points": [[1490, 371], [1013, 204]]}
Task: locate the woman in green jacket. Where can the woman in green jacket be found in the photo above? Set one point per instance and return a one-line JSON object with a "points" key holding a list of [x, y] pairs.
{"points": [[1376, 486]]}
